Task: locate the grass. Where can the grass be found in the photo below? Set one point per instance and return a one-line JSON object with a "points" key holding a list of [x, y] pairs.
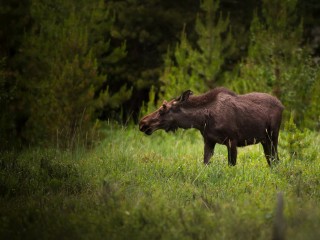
{"points": [[132, 186]]}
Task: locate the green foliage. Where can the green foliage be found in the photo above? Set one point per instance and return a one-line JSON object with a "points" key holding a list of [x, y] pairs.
{"points": [[215, 42], [274, 40], [178, 75], [148, 28], [138, 187], [63, 64], [60, 85], [297, 143], [14, 21], [277, 62], [197, 67], [6, 93], [39, 173], [150, 106], [312, 113]]}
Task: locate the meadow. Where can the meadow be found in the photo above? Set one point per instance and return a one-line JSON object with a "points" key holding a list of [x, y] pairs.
{"points": [[133, 186]]}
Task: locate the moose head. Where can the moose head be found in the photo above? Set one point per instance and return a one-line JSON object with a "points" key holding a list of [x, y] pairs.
{"points": [[167, 117]]}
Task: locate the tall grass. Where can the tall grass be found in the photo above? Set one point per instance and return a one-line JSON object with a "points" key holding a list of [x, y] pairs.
{"points": [[132, 186]]}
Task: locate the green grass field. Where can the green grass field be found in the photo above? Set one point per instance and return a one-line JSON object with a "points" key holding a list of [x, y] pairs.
{"points": [[132, 186]]}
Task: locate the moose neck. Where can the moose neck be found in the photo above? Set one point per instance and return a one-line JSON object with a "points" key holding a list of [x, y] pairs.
{"points": [[192, 117]]}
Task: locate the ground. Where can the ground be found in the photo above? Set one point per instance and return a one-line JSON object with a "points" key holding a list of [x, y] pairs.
{"points": [[133, 186]]}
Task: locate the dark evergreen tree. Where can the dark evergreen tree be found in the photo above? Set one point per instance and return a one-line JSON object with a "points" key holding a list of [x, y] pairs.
{"points": [[14, 22], [6, 97], [148, 28], [198, 66], [277, 61], [60, 76]]}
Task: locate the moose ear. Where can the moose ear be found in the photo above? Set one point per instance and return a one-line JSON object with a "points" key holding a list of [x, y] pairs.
{"points": [[185, 95], [164, 104]]}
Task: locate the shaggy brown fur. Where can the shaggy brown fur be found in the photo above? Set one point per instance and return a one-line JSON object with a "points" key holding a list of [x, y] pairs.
{"points": [[222, 117]]}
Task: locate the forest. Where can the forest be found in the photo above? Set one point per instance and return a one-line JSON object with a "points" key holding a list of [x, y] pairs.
{"points": [[68, 66], [77, 75]]}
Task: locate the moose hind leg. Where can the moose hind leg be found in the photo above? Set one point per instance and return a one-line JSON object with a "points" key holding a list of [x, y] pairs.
{"points": [[267, 151], [232, 153], [271, 146], [270, 152], [274, 146], [208, 151]]}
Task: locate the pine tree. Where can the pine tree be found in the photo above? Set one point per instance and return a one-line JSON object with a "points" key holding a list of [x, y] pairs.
{"points": [[215, 43], [178, 75], [197, 67], [312, 115], [60, 80], [276, 62], [6, 96], [14, 22], [296, 142]]}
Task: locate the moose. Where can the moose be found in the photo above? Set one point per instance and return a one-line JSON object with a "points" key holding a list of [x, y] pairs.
{"points": [[222, 117]]}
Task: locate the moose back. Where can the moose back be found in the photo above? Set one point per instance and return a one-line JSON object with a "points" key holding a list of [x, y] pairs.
{"points": [[222, 117]]}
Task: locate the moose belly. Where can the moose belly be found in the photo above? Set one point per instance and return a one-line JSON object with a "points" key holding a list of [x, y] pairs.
{"points": [[250, 141], [242, 138]]}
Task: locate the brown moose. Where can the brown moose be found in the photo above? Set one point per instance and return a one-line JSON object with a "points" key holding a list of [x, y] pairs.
{"points": [[222, 117]]}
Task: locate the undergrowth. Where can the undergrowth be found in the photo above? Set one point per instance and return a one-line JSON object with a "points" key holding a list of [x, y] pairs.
{"points": [[132, 186]]}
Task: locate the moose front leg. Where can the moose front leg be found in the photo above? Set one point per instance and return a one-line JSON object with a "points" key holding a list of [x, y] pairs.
{"points": [[208, 151], [232, 152]]}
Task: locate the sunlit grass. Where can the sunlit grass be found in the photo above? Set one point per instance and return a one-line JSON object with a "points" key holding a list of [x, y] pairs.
{"points": [[133, 186]]}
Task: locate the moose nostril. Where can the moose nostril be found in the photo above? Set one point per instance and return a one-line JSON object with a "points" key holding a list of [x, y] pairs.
{"points": [[143, 127]]}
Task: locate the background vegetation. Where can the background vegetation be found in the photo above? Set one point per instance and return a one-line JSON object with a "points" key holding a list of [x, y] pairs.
{"points": [[65, 64], [75, 76]]}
